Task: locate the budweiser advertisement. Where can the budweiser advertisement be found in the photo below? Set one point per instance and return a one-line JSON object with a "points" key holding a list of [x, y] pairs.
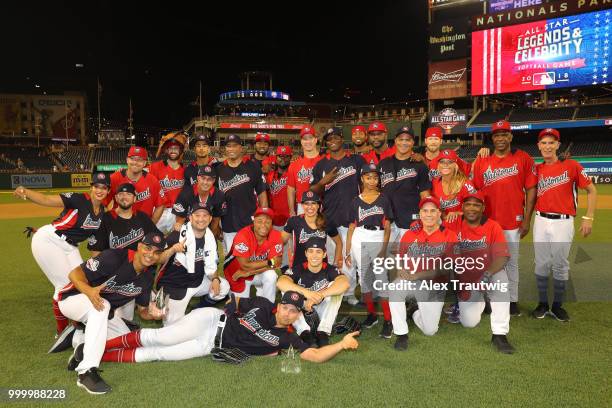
{"points": [[277, 126], [452, 121], [561, 52], [448, 79]]}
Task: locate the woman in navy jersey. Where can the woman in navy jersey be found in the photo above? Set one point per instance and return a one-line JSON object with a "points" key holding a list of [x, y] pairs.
{"points": [[55, 246]]}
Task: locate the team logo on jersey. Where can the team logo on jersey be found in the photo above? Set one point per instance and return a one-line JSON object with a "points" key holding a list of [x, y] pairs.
{"points": [[67, 195], [178, 207], [171, 184], [343, 173], [444, 204], [234, 182], [242, 248], [199, 254], [92, 264], [403, 174], [92, 240], [249, 321], [548, 183], [492, 175], [89, 223], [144, 195], [364, 213], [129, 289], [305, 236], [135, 235], [472, 245], [426, 249], [316, 285], [304, 175], [278, 248], [278, 185]]}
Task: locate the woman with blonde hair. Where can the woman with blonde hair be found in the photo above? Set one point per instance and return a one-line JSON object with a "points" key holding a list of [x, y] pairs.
{"points": [[450, 186]]}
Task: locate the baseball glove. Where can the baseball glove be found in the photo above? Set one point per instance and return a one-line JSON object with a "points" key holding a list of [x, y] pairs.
{"points": [[346, 325], [313, 320], [28, 231], [230, 356], [179, 137]]}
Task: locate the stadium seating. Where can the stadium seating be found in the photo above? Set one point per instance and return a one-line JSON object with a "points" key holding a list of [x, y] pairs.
{"points": [[75, 157], [487, 117], [33, 158], [108, 155], [541, 115], [594, 112]]}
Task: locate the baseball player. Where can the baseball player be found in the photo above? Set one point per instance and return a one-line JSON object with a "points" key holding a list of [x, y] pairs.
{"points": [[508, 181], [244, 187], [451, 186], [428, 243], [55, 246], [482, 239], [255, 254], [359, 137], [202, 192], [553, 228], [150, 197], [322, 285], [262, 150], [433, 141], [367, 239], [377, 137], [404, 182], [277, 192], [100, 285], [201, 147], [194, 272], [299, 173], [254, 326], [336, 177], [310, 225], [171, 175]]}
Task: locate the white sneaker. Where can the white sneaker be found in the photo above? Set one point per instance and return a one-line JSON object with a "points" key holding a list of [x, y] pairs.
{"points": [[351, 300]]}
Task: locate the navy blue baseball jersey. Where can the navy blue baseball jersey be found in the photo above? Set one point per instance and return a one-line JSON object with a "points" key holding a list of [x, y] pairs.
{"points": [[119, 232], [315, 281], [78, 221], [371, 215], [301, 233], [174, 278], [189, 196], [191, 171]]}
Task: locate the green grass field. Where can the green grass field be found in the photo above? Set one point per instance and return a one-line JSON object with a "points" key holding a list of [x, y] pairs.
{"points": [[555, 365]]}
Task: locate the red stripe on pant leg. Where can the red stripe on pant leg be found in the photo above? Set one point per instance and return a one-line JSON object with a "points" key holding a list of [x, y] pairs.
{"points": [[130, 340], [385, 307], [367, 297], [61, 321], [120, 356]]}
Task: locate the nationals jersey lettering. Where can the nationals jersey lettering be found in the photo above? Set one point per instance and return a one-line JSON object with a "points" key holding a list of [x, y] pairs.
{"points": [[492, 175], [467, 245], [249, 320], [277, 196], [143, 195], [416, 249], [149, 194], [237, 180], [557, 186], [343, 173], [135, 235], [546, 183], [128, 289]]}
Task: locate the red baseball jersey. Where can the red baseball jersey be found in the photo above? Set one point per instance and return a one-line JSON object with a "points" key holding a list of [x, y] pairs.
{"points": [[503, 181], [464, 166], [149, 194], [171, 180], [450, 203], [557, 186], [277, 194], [300, 173], [245, 246], [418, 244], [375, 158]]}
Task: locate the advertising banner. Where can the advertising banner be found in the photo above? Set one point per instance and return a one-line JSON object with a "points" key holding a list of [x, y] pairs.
{"points": [[447, 79], [56, 116], [279, 126], [448, 39], [10, 111], [31, 180], [80, 179], [501, 5], [452, 121]]}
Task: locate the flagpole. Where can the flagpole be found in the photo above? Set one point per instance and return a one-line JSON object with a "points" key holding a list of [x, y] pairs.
{"points": [[99, 98]]}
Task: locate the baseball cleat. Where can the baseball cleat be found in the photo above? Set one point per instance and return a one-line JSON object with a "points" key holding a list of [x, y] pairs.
{"points": [[92, 382], [369, 321], [322, 339], [541, 311], [453, 317], [514, 309], [560, 314], [64, 340], [500, 341], [401, 343], [352, 300], [387, 329], [487, 308], [76, 357]]}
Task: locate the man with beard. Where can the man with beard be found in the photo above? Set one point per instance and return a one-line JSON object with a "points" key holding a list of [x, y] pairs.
{"points": [[377, 137], [244, 187], [201, 147], [277, 190], [433, 141], [262, 149], [300, 171], [360, 140]]}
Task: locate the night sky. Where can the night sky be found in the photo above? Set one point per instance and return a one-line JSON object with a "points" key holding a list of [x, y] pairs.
{"points": [[157, 52]]}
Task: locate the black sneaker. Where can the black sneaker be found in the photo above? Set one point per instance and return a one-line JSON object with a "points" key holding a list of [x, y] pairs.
{"points": [[560, 314], [92, 382], [63, 341], [401, 343], [541, 311], [322, 339], [308, 338], [514, 309], [487, 309], [76, 357], [387, 329], [369, 321], [501, 342]]}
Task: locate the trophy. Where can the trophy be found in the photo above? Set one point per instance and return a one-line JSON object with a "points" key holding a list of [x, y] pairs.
{"points": [[161, 300], [291, 363]]}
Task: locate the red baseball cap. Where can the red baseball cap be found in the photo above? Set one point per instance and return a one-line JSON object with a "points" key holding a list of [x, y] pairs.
{"points": [[429, 199], [358, 128], [264, 211], [377, 127], [474, 194], [137, 151], [262, 137], [501, 125], [307, 130], [549, 132], [449, 154], [434, 131], [284, 151]]}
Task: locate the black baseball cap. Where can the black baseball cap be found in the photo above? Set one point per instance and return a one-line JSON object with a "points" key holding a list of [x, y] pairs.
{"points": [[155, 239], [316, 243], [206, 171], [200, 206], [369, 168], [404, 130], [333, 131], [100, 178], [126, 188], [233, 139], [201, 137], [293, 298], [310, 196]]}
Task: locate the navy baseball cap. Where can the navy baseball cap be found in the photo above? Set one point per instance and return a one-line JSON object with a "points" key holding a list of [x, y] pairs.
{"points": [[404, 130], [206, 171], [233, 139], [293, 298], [201, 206], [310, 196], [126, 188], [155, 239], [201, 138], [369, 168], [333, 131], [100, 178], [316, 243]]}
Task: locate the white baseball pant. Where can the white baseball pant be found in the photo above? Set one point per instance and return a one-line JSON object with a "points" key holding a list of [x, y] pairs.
{"points": [[126, 311], [365, 247], [395, 237], [552, 241], [193, 335], [176, 308], [513, 237], [166, 221], [327, 311], [427, 318], [54, 256], [470, 311], [285, 261], [264, 282], [97, 330], [349, 272], [228, 240]]}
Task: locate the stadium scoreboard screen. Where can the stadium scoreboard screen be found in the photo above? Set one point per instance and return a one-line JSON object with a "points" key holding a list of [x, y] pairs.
{"points": [[555, 53], [254, 94]]}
